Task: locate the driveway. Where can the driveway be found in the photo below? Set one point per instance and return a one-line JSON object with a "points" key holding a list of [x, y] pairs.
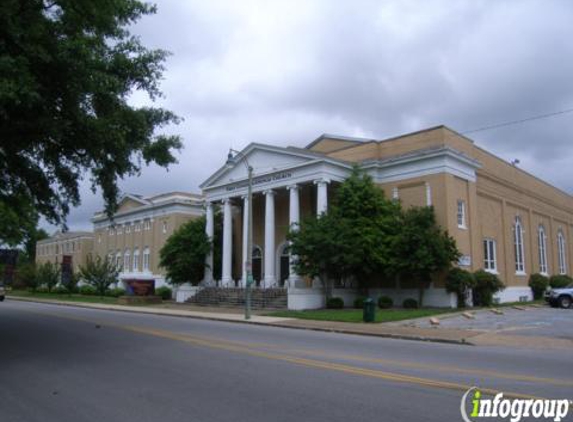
{"points": [[533, 322]]}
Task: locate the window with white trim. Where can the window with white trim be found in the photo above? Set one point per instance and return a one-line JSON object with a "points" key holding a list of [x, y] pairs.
{"points": [[146, 259], [118, 260], [164, 229], [461, 214], [561, 253], [136, 260], [127, 228], [489, 255], [147, 225], [119, 230], [518, 246], [542, 249], [126, 260], [137, 226]]}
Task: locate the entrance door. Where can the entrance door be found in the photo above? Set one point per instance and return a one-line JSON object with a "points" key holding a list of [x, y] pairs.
{"points": [[257, 265], [284, 266]]}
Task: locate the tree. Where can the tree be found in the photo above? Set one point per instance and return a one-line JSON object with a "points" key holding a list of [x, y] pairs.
{"points": [[183, 255], [460, 282], [422, 248], [67, 70], [48, 275], [99, 273], [30, 240], [354, 239]]}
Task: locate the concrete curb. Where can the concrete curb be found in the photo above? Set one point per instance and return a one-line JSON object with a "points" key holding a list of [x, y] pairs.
{"points": [[103, 307]]}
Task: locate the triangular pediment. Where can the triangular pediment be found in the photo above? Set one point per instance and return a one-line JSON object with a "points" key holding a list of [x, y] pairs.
{"points": [[129, 202], [263, 159]]}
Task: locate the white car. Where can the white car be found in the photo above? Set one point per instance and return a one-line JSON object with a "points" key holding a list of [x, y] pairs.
{"points": [[562, 297]]}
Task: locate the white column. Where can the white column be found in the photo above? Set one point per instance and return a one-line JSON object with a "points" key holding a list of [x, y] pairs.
{"points": [[245, 239], [428, 194], [209, 231], [270, 279], [226, 277], [321, 196], [294, 220]]}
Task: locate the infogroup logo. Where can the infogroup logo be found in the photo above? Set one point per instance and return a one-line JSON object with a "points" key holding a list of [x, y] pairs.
{"points": [[513, 409]]}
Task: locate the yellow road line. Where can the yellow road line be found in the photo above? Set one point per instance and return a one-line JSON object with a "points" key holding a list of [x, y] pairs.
{"points": [[243, 348]]}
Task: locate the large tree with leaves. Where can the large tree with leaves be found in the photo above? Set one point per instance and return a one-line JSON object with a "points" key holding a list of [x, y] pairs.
{"points": [[183, 255], [423, 249], [67, 69], [99, 273], [354, 239]]}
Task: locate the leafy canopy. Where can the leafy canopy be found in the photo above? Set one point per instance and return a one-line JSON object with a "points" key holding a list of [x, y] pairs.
{"points": [[353, 239], [183, 255], [67, 69], [99, 273]]}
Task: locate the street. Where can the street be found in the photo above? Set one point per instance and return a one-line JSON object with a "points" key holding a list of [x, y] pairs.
{"points": [[61, 363]]}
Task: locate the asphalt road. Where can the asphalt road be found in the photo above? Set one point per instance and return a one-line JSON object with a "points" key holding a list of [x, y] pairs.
{"points": [[71, 364]]}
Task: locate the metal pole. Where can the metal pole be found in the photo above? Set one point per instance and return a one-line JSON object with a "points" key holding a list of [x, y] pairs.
{"points": [[249, 263]]}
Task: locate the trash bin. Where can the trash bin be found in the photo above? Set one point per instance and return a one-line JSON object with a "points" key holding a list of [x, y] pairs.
{"points": [[369, 314]]}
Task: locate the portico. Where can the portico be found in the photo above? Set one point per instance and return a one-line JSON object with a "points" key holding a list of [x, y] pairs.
{"points": [[287, 185]]}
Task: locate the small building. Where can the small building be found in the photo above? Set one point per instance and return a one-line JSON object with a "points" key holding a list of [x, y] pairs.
{"points": [[77, 246], [503, 219], [139, 229]]}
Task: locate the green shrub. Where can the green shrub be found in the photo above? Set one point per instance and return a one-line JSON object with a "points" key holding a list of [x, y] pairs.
{"points": [[538, 284], [25, 277], [48, 275], [560, 281], [88, 290], [385, 302], [60, 290], [487, 284], [459, 281], [335, 303], [410, 303], [165, 292], [41, 289], [359, 302], [115, 292]]}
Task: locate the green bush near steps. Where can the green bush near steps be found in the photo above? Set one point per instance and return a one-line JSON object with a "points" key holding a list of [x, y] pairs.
{"points": [[410, 304], [335, 303], [385, 302], [560, 281], [164, 292], [359, 302], [115, 292], [538, 284]]}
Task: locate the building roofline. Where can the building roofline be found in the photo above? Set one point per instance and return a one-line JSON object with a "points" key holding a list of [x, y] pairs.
{"points": [[357, 140]]}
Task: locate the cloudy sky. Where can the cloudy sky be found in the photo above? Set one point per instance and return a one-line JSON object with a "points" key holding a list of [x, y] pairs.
{"points": [[284, 72]]}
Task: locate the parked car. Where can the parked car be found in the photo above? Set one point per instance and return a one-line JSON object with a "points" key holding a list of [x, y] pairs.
{"points": [[2, 292], [562, 297]]}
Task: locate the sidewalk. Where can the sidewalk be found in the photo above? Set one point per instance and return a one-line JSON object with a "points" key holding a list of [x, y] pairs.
{"points": [[237, 316]]}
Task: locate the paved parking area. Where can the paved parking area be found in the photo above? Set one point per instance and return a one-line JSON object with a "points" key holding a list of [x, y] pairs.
{"points": [[539, 322]]}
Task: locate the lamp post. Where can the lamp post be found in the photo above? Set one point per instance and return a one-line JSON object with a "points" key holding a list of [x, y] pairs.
{"points": [[231, 160]]}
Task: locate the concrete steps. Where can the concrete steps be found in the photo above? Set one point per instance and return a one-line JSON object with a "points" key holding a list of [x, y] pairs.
{"points": [[235, 298]]}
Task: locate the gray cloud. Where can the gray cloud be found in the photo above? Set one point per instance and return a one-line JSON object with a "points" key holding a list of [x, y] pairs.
{"points": [[285, 72]]}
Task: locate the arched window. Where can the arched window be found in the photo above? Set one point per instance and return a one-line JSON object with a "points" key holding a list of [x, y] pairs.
{"points": [[519, 248], [146, 259], [118, 260], [542, 248], [136, 260], [126, 260], [561, 253]]}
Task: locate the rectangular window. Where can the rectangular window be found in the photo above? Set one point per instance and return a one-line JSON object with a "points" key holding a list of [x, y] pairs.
{"points": [[461, 214], [147, 225], [119, 230], [489, 255], [164, 227], [127, 228], [146, 259], [137, 226]]}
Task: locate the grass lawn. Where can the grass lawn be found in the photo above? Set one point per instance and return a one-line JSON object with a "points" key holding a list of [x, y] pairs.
{"points": [[355, 315], [64, 298]]}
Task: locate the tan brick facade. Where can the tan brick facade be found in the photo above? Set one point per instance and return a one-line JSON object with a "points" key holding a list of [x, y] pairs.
{"points": [[139, 230], [78, 245]]}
